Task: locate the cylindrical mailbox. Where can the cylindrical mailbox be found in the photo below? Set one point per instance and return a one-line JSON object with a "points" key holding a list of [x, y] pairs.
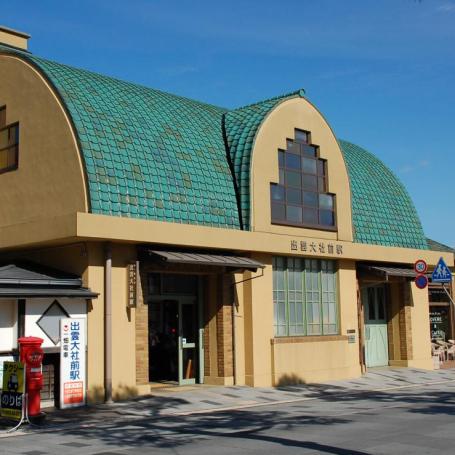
{"points": [[31, 354]]}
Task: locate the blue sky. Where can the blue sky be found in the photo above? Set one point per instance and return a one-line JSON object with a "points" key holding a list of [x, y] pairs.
{"points": [[382, 72]]}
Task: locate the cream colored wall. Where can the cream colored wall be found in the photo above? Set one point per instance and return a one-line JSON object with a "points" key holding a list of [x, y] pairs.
{"points": [[95, 324], [123, 325], [11, 38], [421, 339], [239, 329], [49, 181], [259, 325], [315, 359], [277, 127]]}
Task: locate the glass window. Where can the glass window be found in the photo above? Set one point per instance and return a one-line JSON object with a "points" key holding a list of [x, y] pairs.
{"points": [[292, 161], [294, 196], [9, 147], [300, 167], [278, 193], [301, 136], [310, 199], [326, 201], [305, 297], [293, 179], [278, 212], [309, 150], [309, 165], [294, 213]]}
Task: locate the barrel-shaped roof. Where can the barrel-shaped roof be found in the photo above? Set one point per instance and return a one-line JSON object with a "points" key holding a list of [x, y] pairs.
{"points": [[382, 211], [147, 154], [153, 155]]}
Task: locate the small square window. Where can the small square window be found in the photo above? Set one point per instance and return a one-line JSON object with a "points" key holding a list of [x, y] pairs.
{"points": [[310, 182], [292, 161], [327, 218], [293, 179], [278, 212], [294, 196], [277, 193], [301, 136], [326, 201], [309, 150], [310, 216], [294, 214], [309, 165], [310, 199]]}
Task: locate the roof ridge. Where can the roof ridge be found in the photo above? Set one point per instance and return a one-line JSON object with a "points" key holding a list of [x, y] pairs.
{"points": [[300, 92], [29, 55]]}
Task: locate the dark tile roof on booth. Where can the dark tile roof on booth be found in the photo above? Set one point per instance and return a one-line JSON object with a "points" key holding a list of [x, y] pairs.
{"points": [[153, 155], [382, 210]]}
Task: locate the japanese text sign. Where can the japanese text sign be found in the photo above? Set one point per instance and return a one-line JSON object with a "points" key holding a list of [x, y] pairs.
{"points": [[13, 390], [72, 362]]}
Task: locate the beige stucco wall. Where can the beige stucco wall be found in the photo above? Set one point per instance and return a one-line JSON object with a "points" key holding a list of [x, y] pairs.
{"points": [[421, 339], [123, 324], [13, 38], [277, 127], [49, 181]]}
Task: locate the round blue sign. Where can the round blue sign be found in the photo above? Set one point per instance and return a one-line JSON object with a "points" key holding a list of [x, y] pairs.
{"points": [[421, 281]]}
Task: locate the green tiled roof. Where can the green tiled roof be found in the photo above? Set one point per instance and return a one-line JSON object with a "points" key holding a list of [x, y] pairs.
{"points": [[148, 154], [433, 245], [240, 128], [382, 211], [153, 155]]}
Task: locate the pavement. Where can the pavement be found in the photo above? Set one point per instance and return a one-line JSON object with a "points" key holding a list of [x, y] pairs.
{"points": [[204, 399]]}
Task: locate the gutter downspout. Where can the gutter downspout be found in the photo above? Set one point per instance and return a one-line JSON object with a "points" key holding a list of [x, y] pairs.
{"points": [[108, 324]]}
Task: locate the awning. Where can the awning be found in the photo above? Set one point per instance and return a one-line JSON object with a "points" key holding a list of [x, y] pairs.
{"points": [[235, 262], [387, 272], [24, 292], [25, 280]]}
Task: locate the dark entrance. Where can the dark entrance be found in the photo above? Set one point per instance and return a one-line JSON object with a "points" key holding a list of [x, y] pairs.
{"points": [[175, 332]]}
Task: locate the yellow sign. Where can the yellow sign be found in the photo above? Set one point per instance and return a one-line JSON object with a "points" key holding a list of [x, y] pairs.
{"points": [[13, 390]]}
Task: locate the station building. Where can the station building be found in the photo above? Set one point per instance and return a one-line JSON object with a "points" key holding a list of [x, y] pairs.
{"points": [[202, 244]]}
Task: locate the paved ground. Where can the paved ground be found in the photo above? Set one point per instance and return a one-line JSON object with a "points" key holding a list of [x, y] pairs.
{"points": [[396, 411]]}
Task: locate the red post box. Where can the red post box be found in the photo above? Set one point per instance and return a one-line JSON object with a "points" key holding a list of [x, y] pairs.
{"points": [[31, 354]]}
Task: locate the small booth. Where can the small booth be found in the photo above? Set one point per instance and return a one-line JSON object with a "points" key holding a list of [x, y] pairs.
{"points": [[33, 299]]}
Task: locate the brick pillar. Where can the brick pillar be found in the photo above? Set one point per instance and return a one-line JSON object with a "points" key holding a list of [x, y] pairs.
{"points": [[405, 323], [224, 327], [142, 334]]}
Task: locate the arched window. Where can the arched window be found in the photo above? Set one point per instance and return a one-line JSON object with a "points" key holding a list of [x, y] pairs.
{"points": [[301, 198]]}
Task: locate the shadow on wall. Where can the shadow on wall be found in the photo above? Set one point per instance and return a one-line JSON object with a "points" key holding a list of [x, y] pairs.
{"points": [[289, 379], [124, 392], [95, 394]]}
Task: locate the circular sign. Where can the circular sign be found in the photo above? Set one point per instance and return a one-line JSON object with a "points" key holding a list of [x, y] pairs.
{"points": [[420, 266], [421, 281]]}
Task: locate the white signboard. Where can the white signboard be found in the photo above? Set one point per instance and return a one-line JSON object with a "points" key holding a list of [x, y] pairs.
{"points": [[72, 362]]}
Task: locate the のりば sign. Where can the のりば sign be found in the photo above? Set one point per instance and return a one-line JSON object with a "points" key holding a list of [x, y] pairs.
{"points": [[72, 362]]}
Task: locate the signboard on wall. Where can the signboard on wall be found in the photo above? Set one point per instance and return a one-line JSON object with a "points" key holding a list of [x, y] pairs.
{"points": [[72, 363], [13, 390]]}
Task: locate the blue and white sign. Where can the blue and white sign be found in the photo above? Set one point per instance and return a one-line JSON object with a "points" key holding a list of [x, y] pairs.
{"points": [[441, 273]]}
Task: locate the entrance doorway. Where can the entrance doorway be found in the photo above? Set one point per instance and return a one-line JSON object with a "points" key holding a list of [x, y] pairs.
{"points": [[175, 329], [376, 343]]}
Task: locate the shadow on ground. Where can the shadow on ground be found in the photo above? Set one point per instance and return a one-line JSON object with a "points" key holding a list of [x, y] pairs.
{"points": [[126, 427]]}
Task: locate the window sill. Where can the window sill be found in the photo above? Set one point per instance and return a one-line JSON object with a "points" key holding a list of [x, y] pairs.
{"points": [[308, 339]]}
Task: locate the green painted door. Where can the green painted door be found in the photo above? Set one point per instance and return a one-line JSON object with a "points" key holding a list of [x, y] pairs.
{"points": [[376, 344], [188, 354]]}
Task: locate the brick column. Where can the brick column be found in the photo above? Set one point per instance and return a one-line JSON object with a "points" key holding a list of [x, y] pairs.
{"points": [[405, 323], [142, 334], [224, 327]]}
